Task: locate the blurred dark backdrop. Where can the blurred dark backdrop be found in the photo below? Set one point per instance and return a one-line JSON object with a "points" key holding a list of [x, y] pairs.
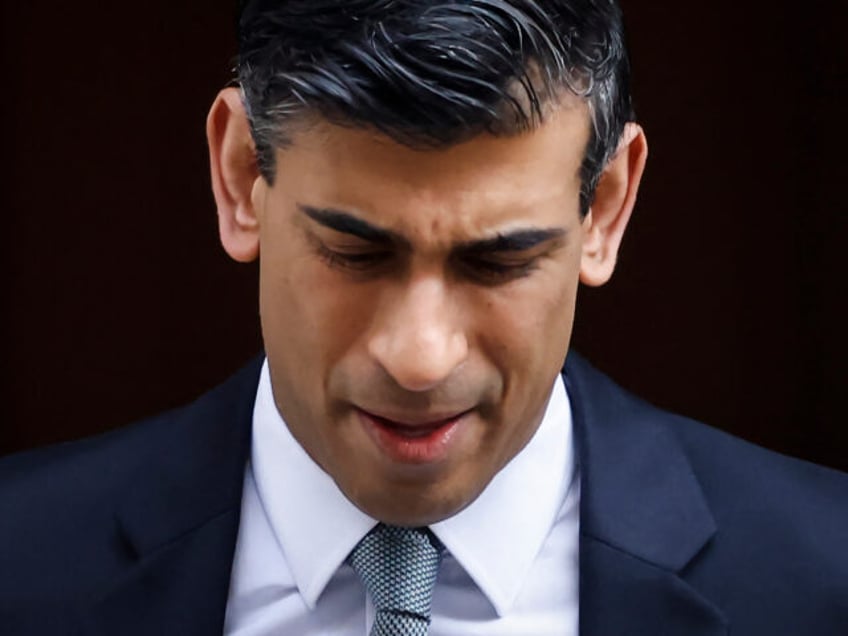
{"points": [[729, 300]]}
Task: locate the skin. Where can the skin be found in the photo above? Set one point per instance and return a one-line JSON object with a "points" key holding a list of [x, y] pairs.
{"points": [[384, 289]]}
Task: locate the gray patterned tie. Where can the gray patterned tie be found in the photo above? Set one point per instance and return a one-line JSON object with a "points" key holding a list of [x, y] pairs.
{"points": [[398, 567]]}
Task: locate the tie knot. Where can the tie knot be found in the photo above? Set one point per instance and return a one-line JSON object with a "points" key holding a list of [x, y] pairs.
{"points": [[398, 567]]}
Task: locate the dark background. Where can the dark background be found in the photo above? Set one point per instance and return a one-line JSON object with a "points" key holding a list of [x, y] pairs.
{"points": [[728, 302]]}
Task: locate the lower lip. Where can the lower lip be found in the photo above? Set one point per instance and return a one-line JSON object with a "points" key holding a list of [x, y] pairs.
{"points": [[422, 448]]}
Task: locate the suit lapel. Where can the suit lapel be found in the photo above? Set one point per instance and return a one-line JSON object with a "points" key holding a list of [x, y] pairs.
{"points": [[181, 521], [643, 517]]}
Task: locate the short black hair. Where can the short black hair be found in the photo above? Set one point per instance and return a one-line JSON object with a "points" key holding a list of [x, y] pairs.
{"points": [[432, 73]]}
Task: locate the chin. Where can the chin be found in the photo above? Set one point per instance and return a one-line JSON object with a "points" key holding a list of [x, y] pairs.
{"points": [[416, 509]]}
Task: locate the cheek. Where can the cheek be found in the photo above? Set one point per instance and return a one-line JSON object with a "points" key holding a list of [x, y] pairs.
{"points": [[309, 316], [526, 328], [524, 335]]}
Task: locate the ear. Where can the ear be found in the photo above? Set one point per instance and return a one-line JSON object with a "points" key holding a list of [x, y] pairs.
{"points": [[232, 157], [615, 197]]}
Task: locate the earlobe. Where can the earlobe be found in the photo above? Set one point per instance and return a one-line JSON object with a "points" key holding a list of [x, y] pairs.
{"points": [[234, 172], [612, 207]]}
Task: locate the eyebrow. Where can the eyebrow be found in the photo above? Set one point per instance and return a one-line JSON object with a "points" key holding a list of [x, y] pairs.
{"points": [[517, 240], [514, 241], [349, 224]]}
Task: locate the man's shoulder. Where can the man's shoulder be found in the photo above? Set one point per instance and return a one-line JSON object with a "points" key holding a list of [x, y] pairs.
{"points": [[91, 467], [59, 505], [778, 555], [774, 527], [723, 461], [100, 462], [718, 458]]}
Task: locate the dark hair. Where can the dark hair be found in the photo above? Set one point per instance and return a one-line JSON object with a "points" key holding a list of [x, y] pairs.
{"points": [[432, 73]]}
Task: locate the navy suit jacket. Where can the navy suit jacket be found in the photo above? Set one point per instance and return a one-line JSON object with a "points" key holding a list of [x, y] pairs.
{"points": [[684, 529]]}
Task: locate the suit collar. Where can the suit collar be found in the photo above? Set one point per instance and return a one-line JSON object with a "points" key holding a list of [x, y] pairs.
{"points": [[642, 496], [199, 465], [643, 515], [181, 521]]}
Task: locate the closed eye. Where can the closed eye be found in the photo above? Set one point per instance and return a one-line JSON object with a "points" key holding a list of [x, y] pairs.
{"points": [[507, 256], [494, 270], [353, 260]]}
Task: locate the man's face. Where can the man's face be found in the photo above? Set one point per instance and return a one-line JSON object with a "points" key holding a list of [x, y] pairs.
{"points": [[417, 305]]}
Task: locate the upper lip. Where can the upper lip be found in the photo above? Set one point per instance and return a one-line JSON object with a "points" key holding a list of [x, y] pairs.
{"points": [[418, 420]]}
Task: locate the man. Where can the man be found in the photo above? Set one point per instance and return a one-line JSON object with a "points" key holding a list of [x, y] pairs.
{"points": [[424, 184]]}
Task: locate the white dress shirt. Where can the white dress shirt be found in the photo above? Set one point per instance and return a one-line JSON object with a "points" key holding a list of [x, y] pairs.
{"points": [[510, 565]]}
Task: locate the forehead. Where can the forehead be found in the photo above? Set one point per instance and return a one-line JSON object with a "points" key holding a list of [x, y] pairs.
{"points": [[490, 179]]}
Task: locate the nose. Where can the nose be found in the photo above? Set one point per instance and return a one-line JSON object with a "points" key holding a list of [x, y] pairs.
{"points": [[418, 337]]}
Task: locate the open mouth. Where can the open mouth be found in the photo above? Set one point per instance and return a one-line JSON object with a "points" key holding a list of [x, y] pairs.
{"points": [[418, 443], [412, 431]]}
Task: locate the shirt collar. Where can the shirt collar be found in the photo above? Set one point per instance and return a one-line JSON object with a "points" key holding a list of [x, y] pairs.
{"points": [[495, 539], [498, 536], [315, 524]]}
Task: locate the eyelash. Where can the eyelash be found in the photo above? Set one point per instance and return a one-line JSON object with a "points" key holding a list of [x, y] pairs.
{"points": [[356, 261], [482, 270], [492, 272]]}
